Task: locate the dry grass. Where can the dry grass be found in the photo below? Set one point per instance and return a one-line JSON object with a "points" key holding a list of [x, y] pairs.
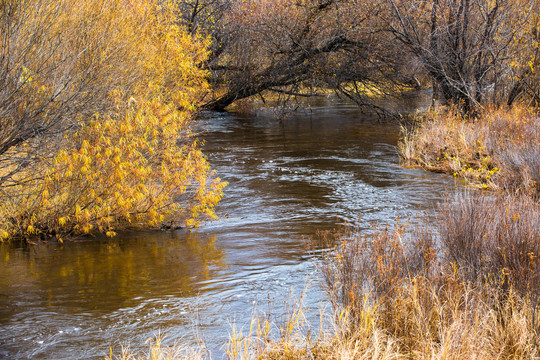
{"points": [[500, 149], [477, 300], [493, 241], [159, 351]]}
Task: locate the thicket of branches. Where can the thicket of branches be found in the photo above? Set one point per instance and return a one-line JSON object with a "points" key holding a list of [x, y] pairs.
{"points": [[471, 52], [296, 47], [475, 51]]}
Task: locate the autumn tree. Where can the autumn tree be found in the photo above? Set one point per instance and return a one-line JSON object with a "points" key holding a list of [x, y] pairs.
{"points": [[96, 133], [526, 60], [296, 47], [50, 77], [203, 16]]}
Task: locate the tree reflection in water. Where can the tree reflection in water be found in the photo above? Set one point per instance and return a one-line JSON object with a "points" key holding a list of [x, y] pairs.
{"points": [[110, 274]]}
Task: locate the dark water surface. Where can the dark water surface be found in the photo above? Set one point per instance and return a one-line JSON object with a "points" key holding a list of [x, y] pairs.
{"points": [[287, 180]]}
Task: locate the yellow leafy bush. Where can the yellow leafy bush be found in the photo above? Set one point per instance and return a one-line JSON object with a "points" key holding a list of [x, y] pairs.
{"points": [[134, 162], [131, 172]]}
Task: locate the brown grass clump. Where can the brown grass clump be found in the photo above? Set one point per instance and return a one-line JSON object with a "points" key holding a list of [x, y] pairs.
{"points": [[500, 149], [477, 300], [159, 351]]}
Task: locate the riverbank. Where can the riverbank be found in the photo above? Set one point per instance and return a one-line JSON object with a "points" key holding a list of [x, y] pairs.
{"points": [[400, 292], [498, 150], [460, 284]]}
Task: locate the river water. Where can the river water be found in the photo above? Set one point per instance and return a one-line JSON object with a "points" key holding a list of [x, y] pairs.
{"points": [[327, 165]]}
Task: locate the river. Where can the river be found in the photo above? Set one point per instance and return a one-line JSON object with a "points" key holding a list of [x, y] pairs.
{"points": [[327, 165]]}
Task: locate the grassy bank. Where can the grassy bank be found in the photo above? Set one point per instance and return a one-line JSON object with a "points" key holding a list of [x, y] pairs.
{"points": [[463, 284], [500, 149]]}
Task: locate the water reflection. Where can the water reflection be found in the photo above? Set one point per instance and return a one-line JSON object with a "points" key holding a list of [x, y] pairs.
{"points": [[105, 275]]}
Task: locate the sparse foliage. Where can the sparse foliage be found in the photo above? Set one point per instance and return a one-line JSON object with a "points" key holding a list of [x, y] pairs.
{"points": [[475, 51]]}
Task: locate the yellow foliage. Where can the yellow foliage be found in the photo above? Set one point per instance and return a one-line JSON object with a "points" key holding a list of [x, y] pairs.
{"points": [[137, 164], [149, 176]]}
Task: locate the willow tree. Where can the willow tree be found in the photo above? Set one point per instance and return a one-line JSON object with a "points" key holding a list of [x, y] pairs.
{"points": [[95, 118]]}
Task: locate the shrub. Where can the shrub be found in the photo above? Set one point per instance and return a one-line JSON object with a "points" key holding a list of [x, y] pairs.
{"points": [[493, 240], [362, 268], [110, 142]]}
